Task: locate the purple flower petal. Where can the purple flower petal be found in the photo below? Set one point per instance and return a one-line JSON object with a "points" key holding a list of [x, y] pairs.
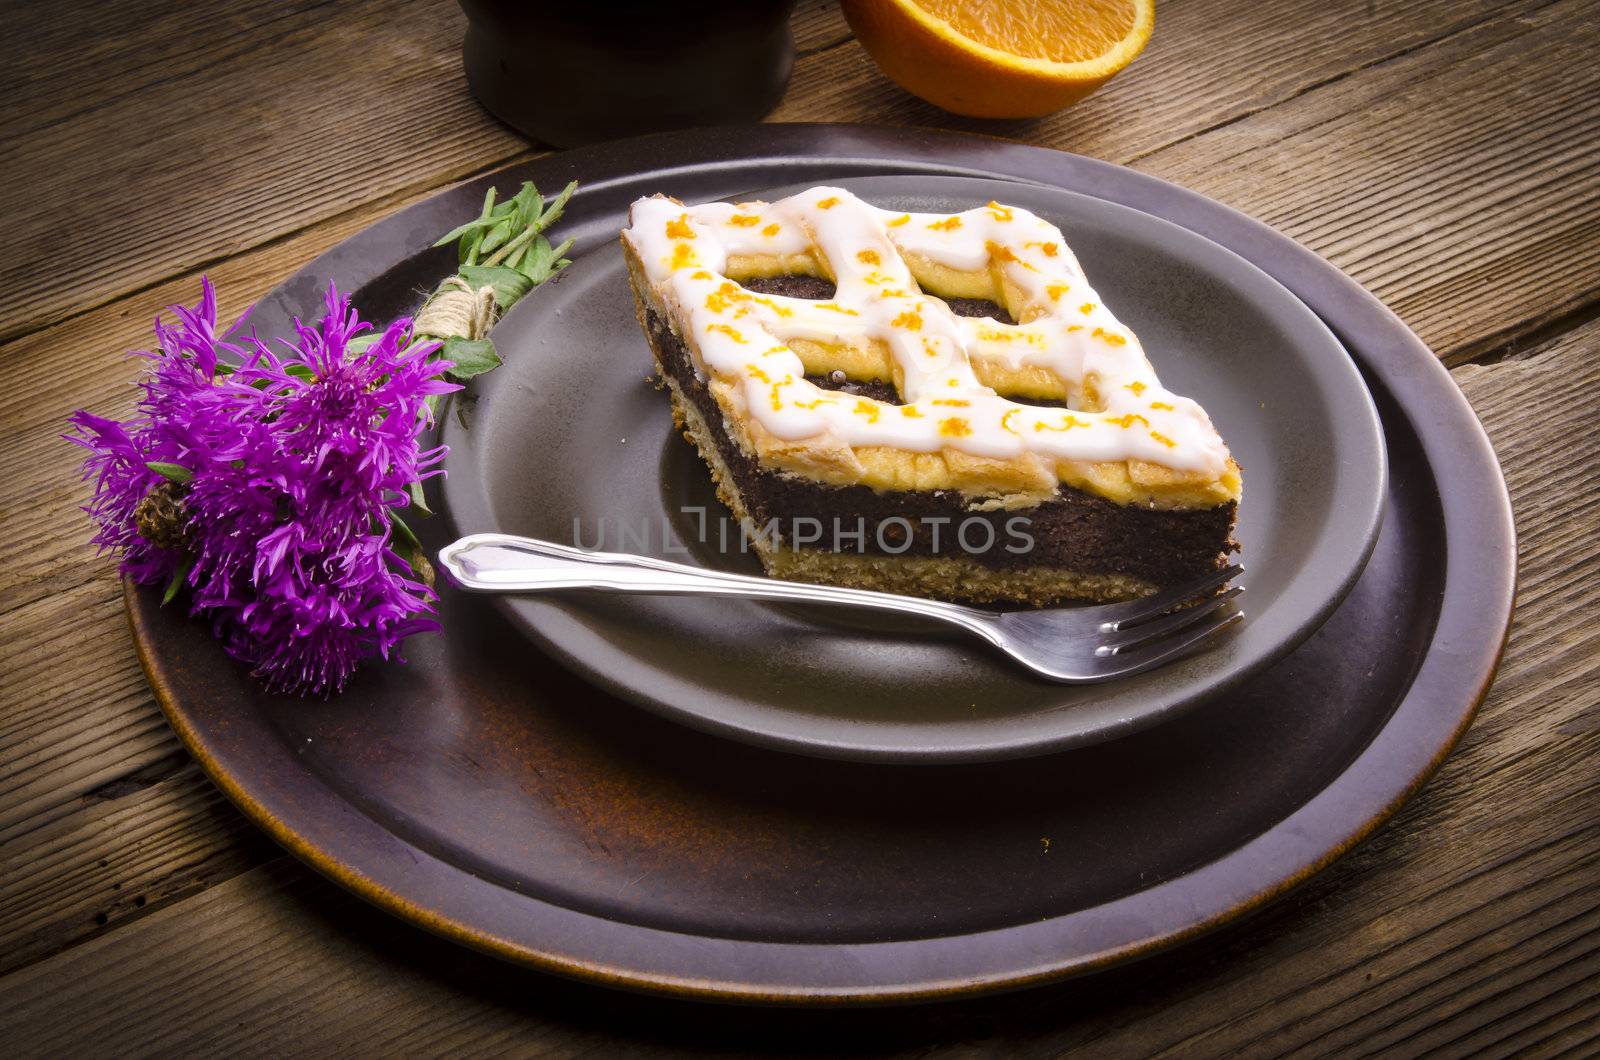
{"points": [[294, 480]]}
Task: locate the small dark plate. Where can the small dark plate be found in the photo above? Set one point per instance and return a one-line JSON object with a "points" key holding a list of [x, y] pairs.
{"points": [[486, 793], [570, 442]]}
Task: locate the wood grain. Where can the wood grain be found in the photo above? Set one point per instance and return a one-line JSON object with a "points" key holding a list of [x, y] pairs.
{"points": [[1444, 153], [237, 151], [210, 169], [1470, 922], [1452, 147], [81, 57], [78, 746], [1460, 183], [133, 844]]}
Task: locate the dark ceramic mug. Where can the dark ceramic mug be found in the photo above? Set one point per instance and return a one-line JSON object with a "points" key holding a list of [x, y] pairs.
{"points": [[577, 72]]}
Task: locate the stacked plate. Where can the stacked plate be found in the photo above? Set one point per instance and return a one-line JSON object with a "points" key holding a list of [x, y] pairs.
{"points": [[854, 813]]}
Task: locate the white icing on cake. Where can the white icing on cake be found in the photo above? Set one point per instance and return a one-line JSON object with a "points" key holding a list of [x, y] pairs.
{"points": [[1065, 330]]}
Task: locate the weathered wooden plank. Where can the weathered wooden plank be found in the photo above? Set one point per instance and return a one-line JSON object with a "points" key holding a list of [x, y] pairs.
{"points": [[129, 846], [817, 26], [86, 840], [1205, 66], [72, 733], [229, 155], [211, 158], [73, 58], [73, 721], [1442, 154], [1459, 182], [87, 727], [1470, 921], [1489, 880]]}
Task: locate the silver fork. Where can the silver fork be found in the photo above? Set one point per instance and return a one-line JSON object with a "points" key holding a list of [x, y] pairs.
{"points": [[1073, 645]]}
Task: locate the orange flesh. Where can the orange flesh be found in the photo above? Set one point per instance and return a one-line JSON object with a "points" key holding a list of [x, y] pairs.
{"points": [[1063, 31]]}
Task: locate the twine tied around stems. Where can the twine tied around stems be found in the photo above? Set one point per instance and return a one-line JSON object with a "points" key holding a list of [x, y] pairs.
{"points": [[456, 310]]}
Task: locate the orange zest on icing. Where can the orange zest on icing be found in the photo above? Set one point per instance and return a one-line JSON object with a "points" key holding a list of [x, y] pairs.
{"points": [[719, 300], [850, 247], [777, 399], [955, 427], [679, 228]]}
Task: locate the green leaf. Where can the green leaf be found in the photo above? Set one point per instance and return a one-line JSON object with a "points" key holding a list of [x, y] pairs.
{"points": [[509, 284], [403, 533], [483, 220], [408, 548], [457, 232], [544, 261], [467, 252], [171, 472], [536, 266], [530, 204], [472, 357], [494, 237], [418, 501], [179, 576], [553, 212]]}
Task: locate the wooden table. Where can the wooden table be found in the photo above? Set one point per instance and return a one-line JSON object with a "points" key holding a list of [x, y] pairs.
{"points": [[1446, 153]]}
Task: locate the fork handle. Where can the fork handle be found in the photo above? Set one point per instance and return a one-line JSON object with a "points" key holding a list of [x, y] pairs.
{"points": [[505, 563]]}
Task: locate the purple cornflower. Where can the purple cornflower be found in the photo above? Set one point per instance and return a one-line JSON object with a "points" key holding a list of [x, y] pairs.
{"points": [[270, 489]]}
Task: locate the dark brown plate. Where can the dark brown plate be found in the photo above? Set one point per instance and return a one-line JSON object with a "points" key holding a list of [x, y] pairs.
{"points": [[569, 442], [487, 794]]}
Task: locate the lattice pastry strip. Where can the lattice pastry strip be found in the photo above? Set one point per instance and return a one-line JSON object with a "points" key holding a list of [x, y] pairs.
{"points": [[1121, 432]]}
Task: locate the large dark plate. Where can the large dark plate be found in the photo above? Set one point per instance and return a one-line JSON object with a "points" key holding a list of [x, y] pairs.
{"points": [[569, 442], [489, 795]]}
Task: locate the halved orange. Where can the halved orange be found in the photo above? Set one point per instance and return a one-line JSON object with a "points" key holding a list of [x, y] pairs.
{"points": [[1001, 58]]}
